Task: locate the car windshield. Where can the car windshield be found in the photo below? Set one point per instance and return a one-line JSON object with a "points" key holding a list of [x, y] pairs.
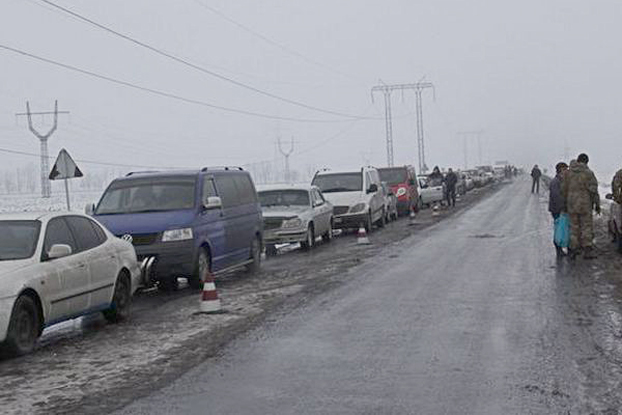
{"points": [[148, 195], [393, 176], [284, 198], [339, 182], [18, 239]]}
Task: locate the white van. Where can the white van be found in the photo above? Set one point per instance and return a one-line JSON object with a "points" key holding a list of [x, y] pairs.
{"points": [[355, 195]]}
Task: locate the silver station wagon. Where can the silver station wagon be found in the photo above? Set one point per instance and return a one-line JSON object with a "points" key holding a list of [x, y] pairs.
{"points": [[294, 213]]}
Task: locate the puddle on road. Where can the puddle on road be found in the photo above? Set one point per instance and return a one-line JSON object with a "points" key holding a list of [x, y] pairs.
{"points": [[485, 236]]}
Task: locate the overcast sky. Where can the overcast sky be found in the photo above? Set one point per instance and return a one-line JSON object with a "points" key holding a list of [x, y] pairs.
{"points": [[535, 76]]}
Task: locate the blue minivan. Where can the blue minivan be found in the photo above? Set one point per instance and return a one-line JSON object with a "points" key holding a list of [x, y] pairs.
{"points": [[185, 223]]}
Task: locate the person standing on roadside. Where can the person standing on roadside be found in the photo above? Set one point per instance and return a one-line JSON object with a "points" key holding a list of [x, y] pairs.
{"points": [[451, 179], [580, 190], [616, 187], [535, 176], [557, 202]]}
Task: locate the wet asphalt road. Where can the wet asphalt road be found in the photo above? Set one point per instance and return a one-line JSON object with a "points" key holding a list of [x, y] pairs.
{"points": [[476, 318]]}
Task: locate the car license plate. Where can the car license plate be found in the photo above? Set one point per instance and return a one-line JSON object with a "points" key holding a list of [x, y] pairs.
{"points": [[338, 220]]}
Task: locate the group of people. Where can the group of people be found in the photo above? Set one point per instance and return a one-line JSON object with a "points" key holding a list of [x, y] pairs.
{"points": [[451, 181], [574, 191]]}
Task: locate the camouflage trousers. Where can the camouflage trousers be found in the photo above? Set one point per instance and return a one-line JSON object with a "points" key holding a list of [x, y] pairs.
{"points": [[581, 230]]}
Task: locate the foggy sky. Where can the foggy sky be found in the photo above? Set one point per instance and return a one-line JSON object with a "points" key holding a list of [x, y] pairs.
{"points": [[535, 75]]}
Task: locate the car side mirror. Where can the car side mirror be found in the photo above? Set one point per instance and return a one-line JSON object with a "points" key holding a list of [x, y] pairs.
{"points": [[212, 202], [609, 196], [89, 209], [372, 188], [59, 251]]}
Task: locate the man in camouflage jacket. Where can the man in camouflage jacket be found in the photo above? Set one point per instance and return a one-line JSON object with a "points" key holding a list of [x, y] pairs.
{"points": [[580, 189]]}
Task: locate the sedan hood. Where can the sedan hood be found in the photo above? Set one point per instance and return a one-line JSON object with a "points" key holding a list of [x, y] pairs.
{"points": [[345, 198], [148, 222], [283, 211]]}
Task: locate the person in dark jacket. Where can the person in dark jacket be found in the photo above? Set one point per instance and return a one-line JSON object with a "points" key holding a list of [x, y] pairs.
{"points": [[535, 175], [557, 202], [451, 179], [436, 177]]}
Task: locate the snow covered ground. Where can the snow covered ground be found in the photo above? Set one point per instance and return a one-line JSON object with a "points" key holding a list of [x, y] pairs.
{"points": [[34, 202]]}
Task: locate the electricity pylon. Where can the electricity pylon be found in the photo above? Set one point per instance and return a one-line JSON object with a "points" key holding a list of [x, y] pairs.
{"points": [[387, 90], [286, 154], [46, 188]]}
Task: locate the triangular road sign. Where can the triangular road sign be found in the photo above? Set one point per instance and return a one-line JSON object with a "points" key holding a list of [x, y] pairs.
{"points": [[65, 167]]}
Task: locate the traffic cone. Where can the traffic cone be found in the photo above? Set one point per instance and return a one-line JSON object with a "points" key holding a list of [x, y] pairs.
{"points": [[435, 210], [362, 238], [210, 303]]}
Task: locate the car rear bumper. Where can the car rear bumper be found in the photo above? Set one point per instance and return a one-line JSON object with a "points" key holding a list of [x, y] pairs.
{"points": [[6, 307], [171, 258]]}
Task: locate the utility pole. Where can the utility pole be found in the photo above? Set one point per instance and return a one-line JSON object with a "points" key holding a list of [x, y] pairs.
{"points": [[286, 154], [46, 188], [387, 90]]}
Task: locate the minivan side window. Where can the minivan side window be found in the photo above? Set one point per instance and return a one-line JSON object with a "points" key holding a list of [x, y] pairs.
{"points": [[246, 191], [227, 190], [58, 232], [84, 232], [209, 190]]}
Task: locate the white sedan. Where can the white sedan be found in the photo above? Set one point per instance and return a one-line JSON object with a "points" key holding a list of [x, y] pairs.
{"points": [[59, 266]]}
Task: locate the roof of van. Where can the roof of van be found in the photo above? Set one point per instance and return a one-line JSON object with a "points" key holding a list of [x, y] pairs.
{"points": [[180, 173]]}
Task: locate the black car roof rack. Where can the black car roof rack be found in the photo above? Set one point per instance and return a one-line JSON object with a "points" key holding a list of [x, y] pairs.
{"points": [[141, 172], [222, 168]]}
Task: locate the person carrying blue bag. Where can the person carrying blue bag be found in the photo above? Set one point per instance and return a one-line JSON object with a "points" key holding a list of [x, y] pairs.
{"points": [[557, 207]]}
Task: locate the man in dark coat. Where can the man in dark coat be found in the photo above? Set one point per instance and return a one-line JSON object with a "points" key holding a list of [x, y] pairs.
{"points": [[557, 202], [535, 175], [451, 179]]}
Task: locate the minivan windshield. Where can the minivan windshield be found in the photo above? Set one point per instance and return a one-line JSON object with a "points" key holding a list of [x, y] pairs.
{"points": [[270, 198], [339, 182], [393, 176], [18, 239], [148, 195]]}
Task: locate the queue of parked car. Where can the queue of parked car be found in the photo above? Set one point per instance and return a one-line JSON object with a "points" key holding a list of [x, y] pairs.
{"points": [[148, 228]]}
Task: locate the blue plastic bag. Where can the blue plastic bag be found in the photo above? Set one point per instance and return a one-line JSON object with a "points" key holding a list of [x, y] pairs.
{"points": [[562, 231]]}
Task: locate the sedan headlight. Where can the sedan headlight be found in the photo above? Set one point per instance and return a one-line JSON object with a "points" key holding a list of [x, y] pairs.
{"points": [[292, 223], [177, 235], [359, 207], [401, 191]]}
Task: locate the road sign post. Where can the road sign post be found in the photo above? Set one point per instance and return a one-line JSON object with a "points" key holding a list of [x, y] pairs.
{"points": [[65, 168]]}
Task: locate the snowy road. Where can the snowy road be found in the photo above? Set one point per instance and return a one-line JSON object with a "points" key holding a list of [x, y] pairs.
{"points": [[472, 316]]}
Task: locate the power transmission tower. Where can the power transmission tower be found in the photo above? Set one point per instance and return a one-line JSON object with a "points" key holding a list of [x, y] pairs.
{"points": [[478, 136], [387, 90], [286, 154], [46, 188]]}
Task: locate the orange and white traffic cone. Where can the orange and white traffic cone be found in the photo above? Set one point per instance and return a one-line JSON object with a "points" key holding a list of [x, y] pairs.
{"points": [[210, 303], [361, 236], [435, 210]]}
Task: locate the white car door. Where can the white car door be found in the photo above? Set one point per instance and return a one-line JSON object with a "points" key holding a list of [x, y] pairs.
{"points": [[103, 262], [65, 281]]}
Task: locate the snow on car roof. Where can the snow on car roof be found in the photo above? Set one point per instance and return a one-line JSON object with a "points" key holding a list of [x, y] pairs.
{"points": [[284, 186], [32, 215]]}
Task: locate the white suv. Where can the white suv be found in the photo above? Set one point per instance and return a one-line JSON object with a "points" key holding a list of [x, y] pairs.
{"points": [[355, 195]]}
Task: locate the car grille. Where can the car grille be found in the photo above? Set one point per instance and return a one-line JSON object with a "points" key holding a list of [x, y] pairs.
{"points": [[272, 223], [341, 210], [143, 239]]}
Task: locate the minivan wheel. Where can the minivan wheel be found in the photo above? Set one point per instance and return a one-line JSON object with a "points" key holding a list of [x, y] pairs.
{"points": [[201, 268], [310, 240], [24, 325], [255, 257], [120, 308]]}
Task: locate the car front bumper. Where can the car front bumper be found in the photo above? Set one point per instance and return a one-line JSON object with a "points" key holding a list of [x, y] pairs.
{"points": [[171, 258], [6, 307], [280, 236], [348, 221]]}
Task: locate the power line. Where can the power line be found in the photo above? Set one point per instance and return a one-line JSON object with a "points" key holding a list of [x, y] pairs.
{"points": [[270, 41], [163, 93], [193, 65]]}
